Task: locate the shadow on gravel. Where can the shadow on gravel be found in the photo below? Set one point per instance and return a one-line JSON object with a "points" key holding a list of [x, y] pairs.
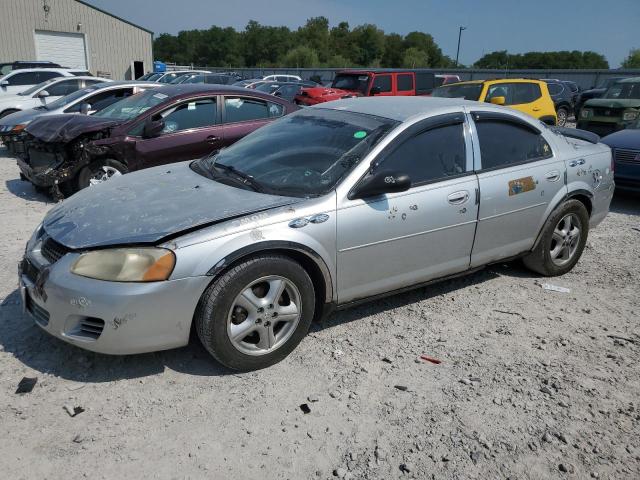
{"points": [[26, 190], [626, 203], [43, 353]]}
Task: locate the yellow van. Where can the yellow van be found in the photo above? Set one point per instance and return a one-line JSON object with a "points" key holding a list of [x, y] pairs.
{"points": [[529, 96]]}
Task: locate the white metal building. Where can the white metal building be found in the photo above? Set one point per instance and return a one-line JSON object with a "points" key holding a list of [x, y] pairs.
{"points": [[74, 34]]}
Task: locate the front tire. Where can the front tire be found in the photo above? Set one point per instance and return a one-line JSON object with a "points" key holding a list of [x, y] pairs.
{"points": [[256, 313], [98, 172], [564, 236]]}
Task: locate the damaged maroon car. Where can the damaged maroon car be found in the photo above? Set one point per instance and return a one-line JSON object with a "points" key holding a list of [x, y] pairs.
{"points": [[66, 153]]}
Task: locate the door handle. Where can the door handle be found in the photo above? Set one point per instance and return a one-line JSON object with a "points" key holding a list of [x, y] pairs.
{"points": [[212, 139], [552, 176], [575, 163], [458, 198], [536, 109]]}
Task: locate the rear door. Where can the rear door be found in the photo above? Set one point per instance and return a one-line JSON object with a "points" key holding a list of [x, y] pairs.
{"points": [[405, 84], [243, 114], [391, 241], [192, 130], [519, 175]]}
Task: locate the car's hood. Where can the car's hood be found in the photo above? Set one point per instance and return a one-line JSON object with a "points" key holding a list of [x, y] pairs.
{"points": [[64, 128], [150, 205], [24, 116], [613, 103], [593, 92], [627, 139], [327, 94]]}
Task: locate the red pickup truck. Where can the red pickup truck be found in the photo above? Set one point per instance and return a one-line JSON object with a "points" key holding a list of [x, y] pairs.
{"points": [[365, 83]]}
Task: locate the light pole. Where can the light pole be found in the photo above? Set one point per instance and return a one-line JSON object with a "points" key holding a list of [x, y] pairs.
{"points": [[459, 37]]}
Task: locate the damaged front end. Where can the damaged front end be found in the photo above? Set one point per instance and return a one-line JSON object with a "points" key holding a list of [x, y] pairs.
{"points": [[54, 165]]}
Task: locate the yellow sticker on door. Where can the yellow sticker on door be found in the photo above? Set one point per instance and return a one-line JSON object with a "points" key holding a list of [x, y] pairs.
{"points": [[521, 185]]}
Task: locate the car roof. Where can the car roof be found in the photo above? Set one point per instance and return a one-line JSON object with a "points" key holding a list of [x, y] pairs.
{"points": [[496, 80], [125, 83], [185, 89], [396, 108], [630, 80]]}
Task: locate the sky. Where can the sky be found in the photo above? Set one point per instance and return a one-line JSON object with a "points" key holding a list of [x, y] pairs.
{"points": [[609, 27]]}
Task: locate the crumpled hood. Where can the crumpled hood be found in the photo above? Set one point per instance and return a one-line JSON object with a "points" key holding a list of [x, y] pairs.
{"points": [[627, 139], [149, 205], [327, 94], [20, 117], [64, 128], [613, 103]]}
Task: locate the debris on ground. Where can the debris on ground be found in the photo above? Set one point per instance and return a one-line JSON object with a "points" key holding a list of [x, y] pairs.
{"points": [[26, 385], [73, 411], [555, 288]]}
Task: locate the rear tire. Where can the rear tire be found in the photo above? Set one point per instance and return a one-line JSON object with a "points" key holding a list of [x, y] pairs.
{"points": [[98, 172], [564, 236], [256, 313], [563, 116]]}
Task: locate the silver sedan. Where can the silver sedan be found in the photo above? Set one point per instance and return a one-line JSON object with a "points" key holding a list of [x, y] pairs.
{"points": [[322, 209]]}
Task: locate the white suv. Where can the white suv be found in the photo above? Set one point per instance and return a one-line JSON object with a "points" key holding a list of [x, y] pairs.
{"points": [[20, 80]]}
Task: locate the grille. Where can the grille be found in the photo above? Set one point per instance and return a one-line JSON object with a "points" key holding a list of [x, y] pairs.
{"points": [[90, 327], [631, 157], [52, 250], [606, 112], [40, 315]]}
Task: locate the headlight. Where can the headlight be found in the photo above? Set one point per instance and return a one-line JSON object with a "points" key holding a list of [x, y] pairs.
{"points": [[628, 116], [126, 264], [586, 113]]}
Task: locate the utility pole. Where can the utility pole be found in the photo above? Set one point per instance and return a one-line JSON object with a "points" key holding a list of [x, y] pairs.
{"points": [[459, 37]]}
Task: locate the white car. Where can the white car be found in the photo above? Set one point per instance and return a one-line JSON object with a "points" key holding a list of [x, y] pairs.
{"points": [[282, 78], [169, 77], [17, 81], [44, 93]]}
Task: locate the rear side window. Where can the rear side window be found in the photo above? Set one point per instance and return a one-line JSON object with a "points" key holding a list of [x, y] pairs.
{"points": [[64, 87], [405, 82], [239, 109], [192, 114], [555, 88], [383, 82], [431, 155], [503, 143], [526, 93]]}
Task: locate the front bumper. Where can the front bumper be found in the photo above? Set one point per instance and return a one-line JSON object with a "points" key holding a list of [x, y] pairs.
{"points": [[108, 317], [45, 178]]}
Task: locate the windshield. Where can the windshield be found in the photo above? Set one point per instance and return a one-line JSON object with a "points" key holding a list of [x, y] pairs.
{"points": [[64, 101], [624, 91], [353, 82], [468, 91], [304, 154], [170, 77], [132, 106], [35, 88]]}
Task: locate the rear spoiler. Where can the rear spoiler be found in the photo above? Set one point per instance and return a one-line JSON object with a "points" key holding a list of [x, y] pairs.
{"points": [[577, 133]]}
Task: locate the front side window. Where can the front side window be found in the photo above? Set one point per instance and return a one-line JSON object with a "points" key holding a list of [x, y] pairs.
{"points": [[383, 82], [64, 87], [504, 90], [431, 155], [303, 154], [242, 109], [36, 88], [405, 82], [467, 91], [503, 143], [25, 78], [197, 113]]}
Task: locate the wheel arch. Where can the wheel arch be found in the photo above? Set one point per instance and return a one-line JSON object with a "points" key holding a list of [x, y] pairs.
{"points": [[8, 111], [310, 260]]}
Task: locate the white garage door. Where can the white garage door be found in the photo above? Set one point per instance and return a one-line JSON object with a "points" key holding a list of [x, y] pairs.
{"points": [[66, 49]]}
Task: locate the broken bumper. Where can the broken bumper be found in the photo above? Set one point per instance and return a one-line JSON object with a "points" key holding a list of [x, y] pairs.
{"points": [[108, 317]]}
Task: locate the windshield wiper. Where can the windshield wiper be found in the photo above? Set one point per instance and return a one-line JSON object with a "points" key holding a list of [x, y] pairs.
{"points": [[242, 177]]}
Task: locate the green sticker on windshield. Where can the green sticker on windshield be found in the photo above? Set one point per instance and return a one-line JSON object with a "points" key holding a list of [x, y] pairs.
{"points": [[360, 134]]}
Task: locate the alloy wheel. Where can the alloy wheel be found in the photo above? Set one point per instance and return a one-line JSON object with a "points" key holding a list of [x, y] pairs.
{"points": [[565, 239], [103, 174], [264, 315]]}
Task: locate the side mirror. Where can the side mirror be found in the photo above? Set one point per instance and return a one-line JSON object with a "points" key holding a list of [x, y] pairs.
{"points": [[375, 91], [498, 100], [4, 83], [153, 127], [43, 94], [382, 181], [85, 108]]}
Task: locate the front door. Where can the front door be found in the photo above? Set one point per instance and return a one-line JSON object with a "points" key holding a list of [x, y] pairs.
{"points": [[192, 130], [396, 240], [519, 176]]}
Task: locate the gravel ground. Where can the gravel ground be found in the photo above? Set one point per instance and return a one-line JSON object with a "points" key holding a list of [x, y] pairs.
{"points": [[533, 383]]}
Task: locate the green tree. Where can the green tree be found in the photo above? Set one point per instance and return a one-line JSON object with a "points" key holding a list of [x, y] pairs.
{"points": [[393, 51], [339, 61], [633, 60], [369, 44], [426, 43], [415, 58], [315, 34], [301, 57]]}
